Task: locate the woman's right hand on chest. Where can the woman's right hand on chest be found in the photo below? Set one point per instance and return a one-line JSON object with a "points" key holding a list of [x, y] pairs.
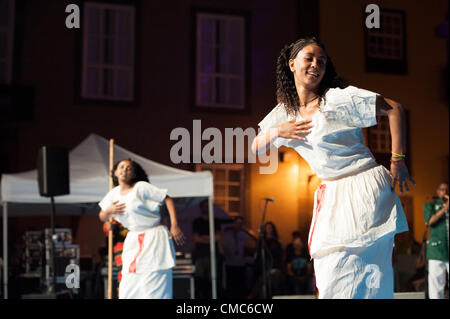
{"points": [[115, 209], [295, 130]]}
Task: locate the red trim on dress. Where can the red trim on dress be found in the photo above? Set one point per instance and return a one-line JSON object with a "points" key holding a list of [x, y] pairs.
{"points": [[320, 194], [132, 268]]}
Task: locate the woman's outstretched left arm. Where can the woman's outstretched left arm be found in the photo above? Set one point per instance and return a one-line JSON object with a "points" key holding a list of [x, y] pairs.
{"points": [[397, 125]]}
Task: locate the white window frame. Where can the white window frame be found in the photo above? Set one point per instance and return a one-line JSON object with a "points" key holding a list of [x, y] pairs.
{"points": [[9, 31], [114, 67], [213, 104], [226, 198]]}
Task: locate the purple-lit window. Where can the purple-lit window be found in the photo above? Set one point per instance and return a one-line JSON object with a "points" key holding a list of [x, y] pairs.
{"points": [[220, 61], [108, 52], [6, 40]]}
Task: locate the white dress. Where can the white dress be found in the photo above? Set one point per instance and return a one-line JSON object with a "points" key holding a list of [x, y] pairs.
{"points": [[356, 214], [148, 254]]}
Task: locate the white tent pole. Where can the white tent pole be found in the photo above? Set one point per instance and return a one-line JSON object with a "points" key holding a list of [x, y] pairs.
{"points": [[212, 246], [5, 250]]}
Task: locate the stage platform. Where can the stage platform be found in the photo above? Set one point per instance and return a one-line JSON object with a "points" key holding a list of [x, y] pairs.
{"points": [[397, 295]]}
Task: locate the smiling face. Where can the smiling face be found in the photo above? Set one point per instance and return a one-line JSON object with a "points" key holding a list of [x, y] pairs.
{"points": [[309, 66], [125, 173]]}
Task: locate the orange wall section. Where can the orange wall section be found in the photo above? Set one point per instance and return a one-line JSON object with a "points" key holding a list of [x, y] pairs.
{"points": [[292, 188]]}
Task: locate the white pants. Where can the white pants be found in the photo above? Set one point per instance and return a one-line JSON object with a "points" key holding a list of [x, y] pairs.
{"points": [[437, 271]]}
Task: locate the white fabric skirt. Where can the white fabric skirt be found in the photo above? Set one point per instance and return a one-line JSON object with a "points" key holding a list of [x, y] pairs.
{"points": [[147, 259], [152, 285], [352, 231], [366, 273]]}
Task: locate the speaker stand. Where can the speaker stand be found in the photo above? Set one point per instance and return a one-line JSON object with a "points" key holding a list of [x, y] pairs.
{"points": [[52, 287]]}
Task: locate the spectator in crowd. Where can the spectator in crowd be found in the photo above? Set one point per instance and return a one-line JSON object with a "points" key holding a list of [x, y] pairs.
{"points": [[274, 244], [436, 217], [235, 247], [273, 263], [299, 269], [290, 246], [201, 256], [417, 281]]}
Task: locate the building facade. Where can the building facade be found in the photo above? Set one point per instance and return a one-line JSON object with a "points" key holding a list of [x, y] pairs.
{"points": [[137, 70]]}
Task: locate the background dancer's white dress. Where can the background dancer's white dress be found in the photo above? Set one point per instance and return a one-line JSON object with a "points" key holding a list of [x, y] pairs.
{"points": [[148, 254], [356, 215]]}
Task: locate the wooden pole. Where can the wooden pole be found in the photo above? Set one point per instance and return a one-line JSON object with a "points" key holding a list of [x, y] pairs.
{"points": [[110, 233]]}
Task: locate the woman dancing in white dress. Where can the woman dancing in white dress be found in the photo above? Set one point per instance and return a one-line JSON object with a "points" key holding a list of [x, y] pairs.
{"points": [[356, 210]]}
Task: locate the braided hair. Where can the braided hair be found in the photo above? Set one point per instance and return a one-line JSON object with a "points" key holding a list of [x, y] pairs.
{"points": [[286, 90], [139, 172]]}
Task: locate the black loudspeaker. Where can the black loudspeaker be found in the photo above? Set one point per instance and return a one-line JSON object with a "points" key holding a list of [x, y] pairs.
{"points": [[53, 171]]}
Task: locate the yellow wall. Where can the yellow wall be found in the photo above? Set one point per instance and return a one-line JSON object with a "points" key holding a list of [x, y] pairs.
{"points": [[421, 91]]}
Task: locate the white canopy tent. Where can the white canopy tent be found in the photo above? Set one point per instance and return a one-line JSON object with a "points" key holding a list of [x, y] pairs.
{"points": [[89, 182]]}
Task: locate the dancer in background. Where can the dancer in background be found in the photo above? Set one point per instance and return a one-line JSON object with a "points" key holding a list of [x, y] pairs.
{"points": [[356, 210], [436, 217], [148, 254]]}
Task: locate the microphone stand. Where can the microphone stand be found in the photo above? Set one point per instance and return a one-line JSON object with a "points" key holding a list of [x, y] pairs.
{"points": [[262, 247]]}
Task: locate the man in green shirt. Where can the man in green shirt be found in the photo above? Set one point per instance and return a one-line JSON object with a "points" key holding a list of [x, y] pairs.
{"points": [[436, 217]]}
